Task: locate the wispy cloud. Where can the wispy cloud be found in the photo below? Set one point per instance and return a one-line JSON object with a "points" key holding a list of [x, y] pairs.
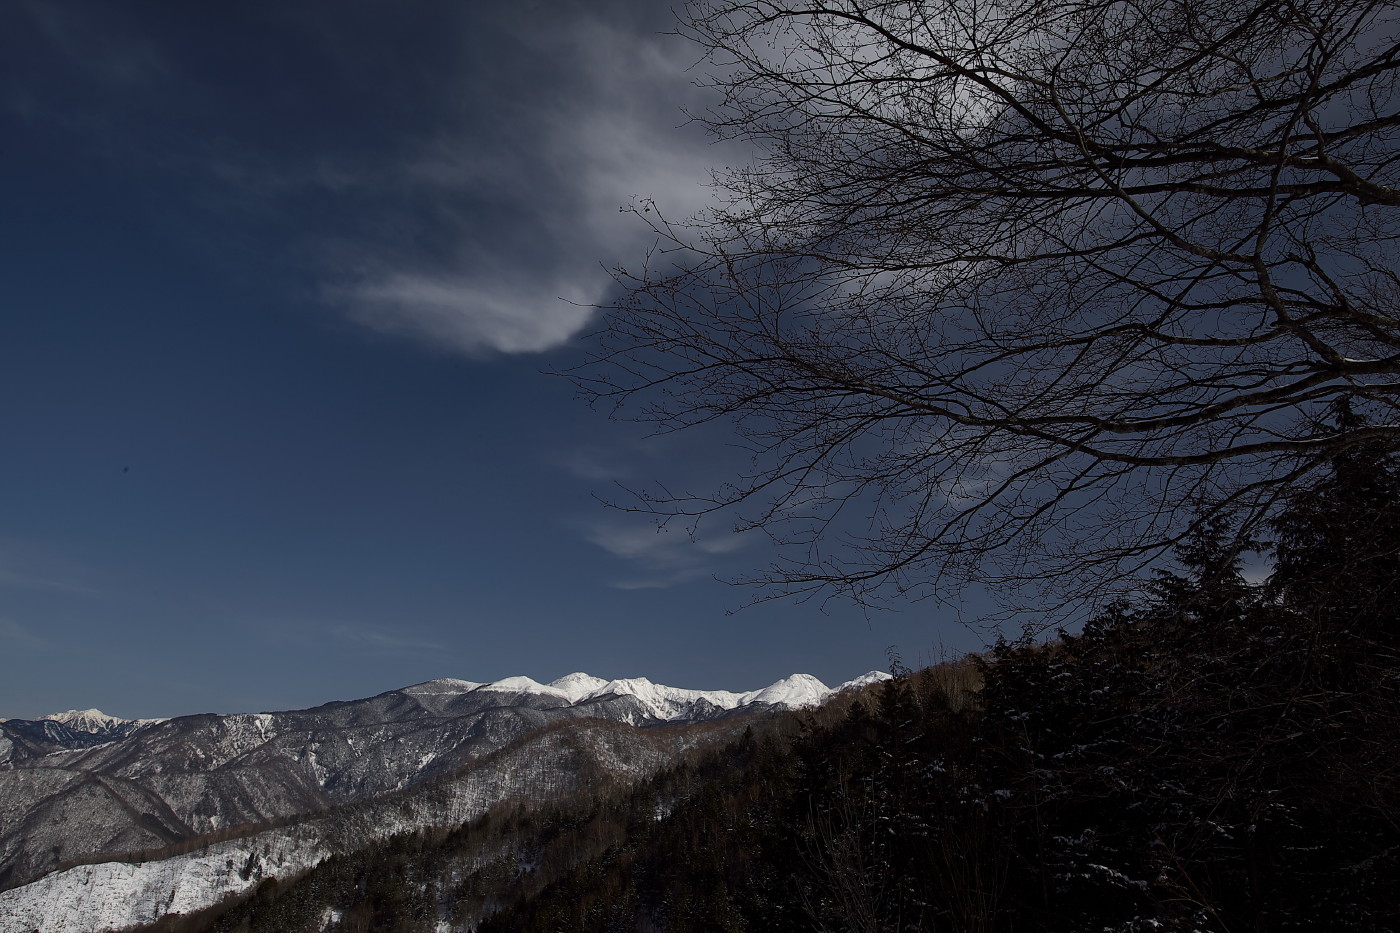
{"points": [[473, 201], [662, 557], [594, 462], [15, 634], [467, 313], [29, 566], [528, 214], [84, 39], [637, 540], [381, 639], [659, 581]]}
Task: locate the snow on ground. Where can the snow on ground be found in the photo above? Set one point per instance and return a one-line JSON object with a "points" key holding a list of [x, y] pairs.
{"points": [[116, 895]]}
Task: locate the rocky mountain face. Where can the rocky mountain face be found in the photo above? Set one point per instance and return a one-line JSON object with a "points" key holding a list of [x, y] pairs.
{"points": [[292, 787]]}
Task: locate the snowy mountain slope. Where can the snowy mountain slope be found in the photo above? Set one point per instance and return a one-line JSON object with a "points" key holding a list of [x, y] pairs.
{"points": [[202, 773], [176, 779], [543, 766]]}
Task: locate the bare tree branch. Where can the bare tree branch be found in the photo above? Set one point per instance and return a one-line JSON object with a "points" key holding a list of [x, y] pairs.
{"points": [[1018, 290]]}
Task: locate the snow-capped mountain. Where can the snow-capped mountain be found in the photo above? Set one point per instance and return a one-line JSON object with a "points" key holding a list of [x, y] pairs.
{"points": [[72, 729], [81, 786], [96, 722], [658, 702]]}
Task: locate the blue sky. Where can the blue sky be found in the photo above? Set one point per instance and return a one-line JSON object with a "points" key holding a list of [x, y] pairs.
{"points": [[278, 286]]}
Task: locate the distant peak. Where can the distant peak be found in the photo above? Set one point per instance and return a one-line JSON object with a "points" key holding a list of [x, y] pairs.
{"points": [[795, 690], [577, 685], [522, 684], [518, 682], [68, 717], [441, 685], [870, 677], [803, 679], [96, 722]]}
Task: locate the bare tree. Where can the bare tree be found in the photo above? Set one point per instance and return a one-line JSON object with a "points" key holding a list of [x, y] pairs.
{"points": [[1017, 290]]}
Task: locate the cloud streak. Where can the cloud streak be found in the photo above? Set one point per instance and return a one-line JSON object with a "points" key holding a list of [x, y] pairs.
{"points": [[658, 557], [464, 312], [380, 639], [527, 215], [15, 634], [28, 566], [481, 212]]}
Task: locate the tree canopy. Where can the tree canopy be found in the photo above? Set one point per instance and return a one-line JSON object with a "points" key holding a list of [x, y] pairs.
{"points": [[1022, 292]]}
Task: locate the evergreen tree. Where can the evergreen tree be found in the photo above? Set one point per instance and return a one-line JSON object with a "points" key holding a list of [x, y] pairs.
{"points": [[1338, 548]]}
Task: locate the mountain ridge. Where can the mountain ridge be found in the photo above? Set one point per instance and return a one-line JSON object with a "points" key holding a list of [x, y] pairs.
{"points": [[665, 702], [139, 785]]}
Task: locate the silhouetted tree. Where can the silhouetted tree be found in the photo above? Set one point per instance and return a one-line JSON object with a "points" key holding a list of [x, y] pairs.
{"points": [[1338, 546]]}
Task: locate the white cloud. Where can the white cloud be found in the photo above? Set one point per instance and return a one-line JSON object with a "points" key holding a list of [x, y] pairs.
{"points": [[634, 541], [481, 216], [629, 141], [663, 557], [528, 215], [466, 313]]}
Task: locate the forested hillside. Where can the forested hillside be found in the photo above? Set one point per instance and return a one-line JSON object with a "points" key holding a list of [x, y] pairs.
{"points": [[1215, 755]]}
